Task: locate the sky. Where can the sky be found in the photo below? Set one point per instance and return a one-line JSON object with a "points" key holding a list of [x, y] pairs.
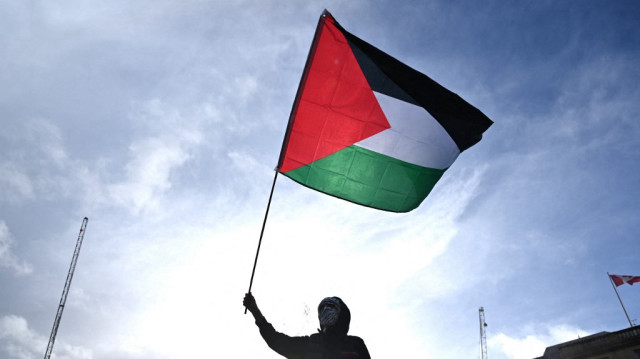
{"points": [[162, 123]]}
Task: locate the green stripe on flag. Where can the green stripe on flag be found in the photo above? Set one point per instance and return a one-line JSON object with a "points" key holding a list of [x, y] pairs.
{"points": [[369, 178]]}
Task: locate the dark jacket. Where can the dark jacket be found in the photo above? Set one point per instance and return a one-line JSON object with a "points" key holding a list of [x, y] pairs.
{"points": [[333, 344]]}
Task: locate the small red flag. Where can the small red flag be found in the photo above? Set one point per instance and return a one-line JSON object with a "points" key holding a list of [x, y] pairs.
{"points": [[619, 280]]}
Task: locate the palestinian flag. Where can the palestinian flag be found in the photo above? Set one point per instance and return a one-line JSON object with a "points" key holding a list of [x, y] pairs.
{"points": [[369, 129]]}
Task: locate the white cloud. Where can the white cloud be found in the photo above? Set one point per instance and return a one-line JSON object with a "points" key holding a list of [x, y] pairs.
{"points": [[7, 258], [49, 140], [154, 157], [246, 162], [147, 174], [592, 97], [15, 184], [532, 345], [245, 87], [18, 341], [34, 159]]}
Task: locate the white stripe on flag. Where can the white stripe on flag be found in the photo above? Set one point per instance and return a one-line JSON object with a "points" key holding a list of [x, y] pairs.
{"points": [[414, 137]]}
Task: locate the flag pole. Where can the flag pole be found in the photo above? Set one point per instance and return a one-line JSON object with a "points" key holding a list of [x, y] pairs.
{"points": [[620, 300], [285, 141], [264, 222]]}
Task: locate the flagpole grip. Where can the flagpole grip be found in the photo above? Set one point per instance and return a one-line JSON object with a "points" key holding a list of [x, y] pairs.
{"points": [[264, 222]]}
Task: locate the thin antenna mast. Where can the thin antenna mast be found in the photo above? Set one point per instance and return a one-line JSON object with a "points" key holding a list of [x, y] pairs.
{"points": [[483, 334], [65, 291]]}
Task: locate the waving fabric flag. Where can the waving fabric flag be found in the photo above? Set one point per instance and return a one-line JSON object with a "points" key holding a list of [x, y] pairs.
{"points": [[622, 279], [369, 129]]}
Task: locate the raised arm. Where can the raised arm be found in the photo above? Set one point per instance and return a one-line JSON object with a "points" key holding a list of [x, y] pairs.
{"points": [[250, 303], [290, 347]]}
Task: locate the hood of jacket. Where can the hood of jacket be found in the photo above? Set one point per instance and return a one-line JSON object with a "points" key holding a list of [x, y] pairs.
{"points": [[344, 318]]}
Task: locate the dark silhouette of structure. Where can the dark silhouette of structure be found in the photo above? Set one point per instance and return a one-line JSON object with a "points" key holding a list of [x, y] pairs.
{"points": [[623, 344], [65, 290], [483, 334]]}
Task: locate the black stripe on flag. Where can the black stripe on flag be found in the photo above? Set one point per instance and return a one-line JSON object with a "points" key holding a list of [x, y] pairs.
{"points": [[464, 122]]}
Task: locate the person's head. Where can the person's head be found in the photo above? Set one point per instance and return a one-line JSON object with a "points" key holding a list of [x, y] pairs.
{"points": [[334, 315]]}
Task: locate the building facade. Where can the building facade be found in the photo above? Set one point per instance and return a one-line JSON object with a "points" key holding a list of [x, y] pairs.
{"points": [[623, 344]]}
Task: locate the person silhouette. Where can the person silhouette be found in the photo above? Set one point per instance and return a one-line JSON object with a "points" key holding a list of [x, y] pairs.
{"points": [[331, 341]]}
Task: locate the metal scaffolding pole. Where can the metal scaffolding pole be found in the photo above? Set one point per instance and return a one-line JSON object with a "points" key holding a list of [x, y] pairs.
{"points": [[65, 291]]}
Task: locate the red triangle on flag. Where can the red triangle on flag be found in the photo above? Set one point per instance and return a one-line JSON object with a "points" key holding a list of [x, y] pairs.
{"points": [[337, 107]]}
